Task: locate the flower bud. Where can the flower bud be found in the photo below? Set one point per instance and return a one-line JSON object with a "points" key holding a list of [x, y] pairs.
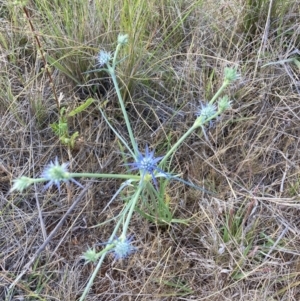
{"points": [[122, 39], [103, 57], [224, 104], [21, 184], [90, 256], [231, 75]]}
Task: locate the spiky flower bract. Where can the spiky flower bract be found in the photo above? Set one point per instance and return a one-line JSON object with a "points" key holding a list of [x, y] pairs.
{"points": [[230, 75], [224, 104], [90, 256], [147, 164], [123, 247], [207, 111], [103, 57], [56, 173], [21, 184]]}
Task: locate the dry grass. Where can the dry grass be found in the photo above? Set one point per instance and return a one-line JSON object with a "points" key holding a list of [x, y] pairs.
{"points": [[240, 244]]}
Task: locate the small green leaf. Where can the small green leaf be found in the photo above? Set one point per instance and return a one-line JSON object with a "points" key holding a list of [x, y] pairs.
{"points": [[82, 107], [180, 221], [73, 139], [64, 140], [296, 62]]}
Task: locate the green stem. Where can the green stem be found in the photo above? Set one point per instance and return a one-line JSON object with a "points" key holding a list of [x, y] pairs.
{"points": [[114, 63], [129, 129], [102, 175], [117, 134], [90, 283], [97, 268], [176, 145], [129, 206], [224, 85], [132, 206], [180, 141]]}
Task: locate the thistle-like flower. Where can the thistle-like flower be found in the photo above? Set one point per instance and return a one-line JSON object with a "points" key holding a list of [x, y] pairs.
{"points": [[56, 173], [207, 111], [147, 164], [204, 114], [103, 57], [123, 247]]}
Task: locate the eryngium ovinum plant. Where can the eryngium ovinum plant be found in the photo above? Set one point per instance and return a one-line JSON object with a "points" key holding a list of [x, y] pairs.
{"points": [[149, 168]]}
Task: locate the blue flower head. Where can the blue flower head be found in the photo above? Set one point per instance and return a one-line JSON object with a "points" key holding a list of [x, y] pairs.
{"points": [[207, 111], [103, 57], [123, 247], [147, 164], [56, 173]]}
